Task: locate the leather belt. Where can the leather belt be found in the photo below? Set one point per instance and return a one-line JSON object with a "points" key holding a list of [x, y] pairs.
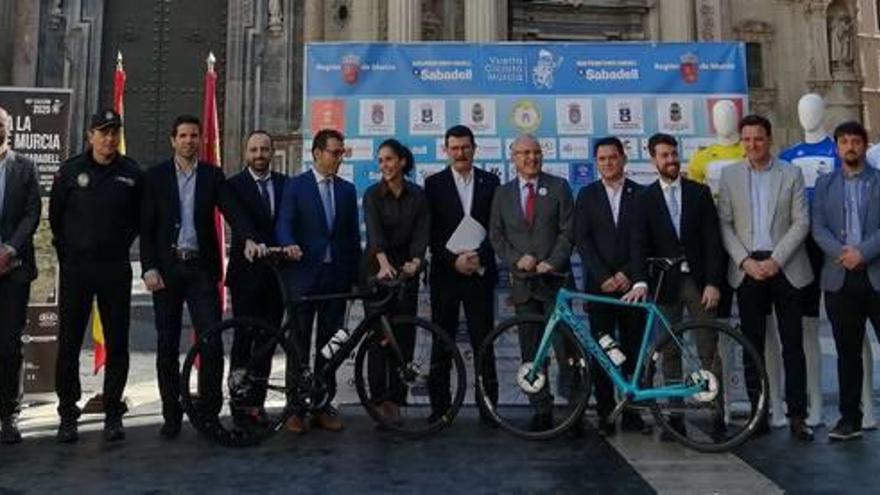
{"points": [[183, 254]]}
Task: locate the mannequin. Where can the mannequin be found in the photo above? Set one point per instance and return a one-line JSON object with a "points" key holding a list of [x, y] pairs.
{"points": [[816, 156], [706, 164]]}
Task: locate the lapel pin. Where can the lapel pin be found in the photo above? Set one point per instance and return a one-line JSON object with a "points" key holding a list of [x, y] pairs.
{"points": [[542, 191], [82, 179]]}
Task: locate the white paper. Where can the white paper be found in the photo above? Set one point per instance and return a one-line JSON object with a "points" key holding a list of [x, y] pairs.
{"points": [[467, 236]]}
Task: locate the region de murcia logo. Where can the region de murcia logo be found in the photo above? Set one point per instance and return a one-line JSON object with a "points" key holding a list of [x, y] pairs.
{"points": [[545, 68], [689, 67], [351, 67]]}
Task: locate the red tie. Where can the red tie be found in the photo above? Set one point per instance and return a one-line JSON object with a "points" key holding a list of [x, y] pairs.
{"points": [[530, 204]]}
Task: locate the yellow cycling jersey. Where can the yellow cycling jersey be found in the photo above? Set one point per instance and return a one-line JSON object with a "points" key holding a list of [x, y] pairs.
{"points": [[706, 164]]}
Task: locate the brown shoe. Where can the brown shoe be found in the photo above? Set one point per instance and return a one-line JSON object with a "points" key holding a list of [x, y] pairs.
{"points": [[800, 430], [296, 425], [391, 411], [327, 421]]}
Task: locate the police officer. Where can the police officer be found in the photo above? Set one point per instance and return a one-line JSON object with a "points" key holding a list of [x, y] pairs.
{"points": [[94, 214]]}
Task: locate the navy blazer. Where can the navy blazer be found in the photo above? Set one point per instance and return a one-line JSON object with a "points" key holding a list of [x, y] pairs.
{"points": [[240, 272], [21, 213], [301, 221], [160, 216], [829, 226], [447, 213]]}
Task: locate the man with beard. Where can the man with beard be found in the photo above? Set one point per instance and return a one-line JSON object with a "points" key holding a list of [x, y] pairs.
{"points": [[19, 216], [677, 217], [254, 287], [846, 225]]}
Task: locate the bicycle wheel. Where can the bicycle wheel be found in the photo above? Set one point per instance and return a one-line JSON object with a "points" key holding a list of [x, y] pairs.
{"points": [[550, 405], [733, 398], [243, 359], [418, 390]]}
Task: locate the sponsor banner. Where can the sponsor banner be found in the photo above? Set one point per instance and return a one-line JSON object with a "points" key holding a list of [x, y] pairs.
{"points": [[40, 127], [40, 348]]}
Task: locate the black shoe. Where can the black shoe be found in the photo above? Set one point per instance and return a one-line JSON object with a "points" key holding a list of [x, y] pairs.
{"points": [[9, 433], [113, 431], [171, 429], [800, 430], [676, 424], [632, 421], [845, 430], [67, 431], [541, 422], [719, 428], [606, 428]]}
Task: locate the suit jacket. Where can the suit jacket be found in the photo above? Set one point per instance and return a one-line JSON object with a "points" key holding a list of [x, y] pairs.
{"points": [[548, 238], [447, 213], [160, 216], [21, 214], [700, 241], [829, 226], [301, 221], [604, 247], [789, 226], [241, 273]]}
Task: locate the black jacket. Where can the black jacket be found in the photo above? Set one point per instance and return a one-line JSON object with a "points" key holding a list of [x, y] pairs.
{"points": [[21, 213], [94, 210], [161, 216]]}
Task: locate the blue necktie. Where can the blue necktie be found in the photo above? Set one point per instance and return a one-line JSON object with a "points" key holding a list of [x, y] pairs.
{"points": [[264, 194], [329, 213]]}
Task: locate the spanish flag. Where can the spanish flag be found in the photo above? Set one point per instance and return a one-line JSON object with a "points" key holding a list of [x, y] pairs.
{"points": [[210, 153], [119, 107]]}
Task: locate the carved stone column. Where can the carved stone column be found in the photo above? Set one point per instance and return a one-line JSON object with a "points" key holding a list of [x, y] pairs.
{"points": [[485, 21], [313, 25], [24, 26], [677, 20], [404, 20]]}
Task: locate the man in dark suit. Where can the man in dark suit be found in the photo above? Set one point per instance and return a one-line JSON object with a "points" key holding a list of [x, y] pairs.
{"points": [[676, 217], [846, 226], [180, 257], [19, 217], [318, 228], [530, 229], [254, 287], [466, 276], [603, 219]]}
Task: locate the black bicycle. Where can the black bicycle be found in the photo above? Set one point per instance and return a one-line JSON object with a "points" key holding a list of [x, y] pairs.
{"points": [[262, 389]]}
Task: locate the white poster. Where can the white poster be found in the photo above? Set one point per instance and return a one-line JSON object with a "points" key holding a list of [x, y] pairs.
{"points": [[574, 116], [427, 117], [478, 114], [376, 118], [675, 115], [625, 116]]}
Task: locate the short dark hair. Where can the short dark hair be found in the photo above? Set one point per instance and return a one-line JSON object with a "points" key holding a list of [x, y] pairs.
{"points": [[754, 119], [459, 131], [319, 142], [660, 138], [402, 152], [185, 119], [609, 141], [851, 128]]}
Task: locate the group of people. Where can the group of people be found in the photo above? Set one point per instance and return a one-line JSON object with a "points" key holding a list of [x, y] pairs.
{"points": [[752, 243]]}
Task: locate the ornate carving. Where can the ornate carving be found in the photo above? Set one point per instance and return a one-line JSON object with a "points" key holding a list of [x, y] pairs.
{"points": [[841, 34], [276, 17], [753, 30]]}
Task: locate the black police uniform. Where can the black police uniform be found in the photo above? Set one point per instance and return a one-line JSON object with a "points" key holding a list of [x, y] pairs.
{"points": [[94, 213]]}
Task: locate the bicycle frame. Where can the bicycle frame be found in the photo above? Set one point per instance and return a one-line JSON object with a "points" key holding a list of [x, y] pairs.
{"points": [[563, 313]]}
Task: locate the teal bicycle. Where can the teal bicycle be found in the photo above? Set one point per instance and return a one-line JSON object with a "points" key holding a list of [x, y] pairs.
{"points": [[702, 380]]}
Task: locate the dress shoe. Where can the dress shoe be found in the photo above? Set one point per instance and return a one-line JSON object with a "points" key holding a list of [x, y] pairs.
{"points": [[170, 429], [390, 411], [113, 431], [676, 424], [845, 430], [800, 430], [9, 433], [606, 428], [328, 420], [541, 422], [632, 421], [296, 425], [67, 431]]}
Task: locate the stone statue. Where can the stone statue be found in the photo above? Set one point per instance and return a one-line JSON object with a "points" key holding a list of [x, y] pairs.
{"points": [[276, 19], [841, 37]]}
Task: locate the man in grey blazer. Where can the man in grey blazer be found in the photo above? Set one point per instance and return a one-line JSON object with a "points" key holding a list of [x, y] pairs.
{"points": [[846, 226], [19, 216], [764, 222], [530, 228]]}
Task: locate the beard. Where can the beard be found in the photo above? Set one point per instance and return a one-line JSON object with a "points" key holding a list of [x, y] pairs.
{"points": [[670, 172]]}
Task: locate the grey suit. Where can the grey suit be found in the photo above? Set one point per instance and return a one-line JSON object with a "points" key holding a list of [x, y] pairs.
{"points": [[783, 187], [851, 296], [18, 221], [549, 238]]}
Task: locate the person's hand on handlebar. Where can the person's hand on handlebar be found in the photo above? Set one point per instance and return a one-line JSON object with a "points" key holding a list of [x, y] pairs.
{"points": [[638, 293], [711, 296], [293, 252], [386, 270], [526, 263], [411, 267], [544, 267], [254, 250]]}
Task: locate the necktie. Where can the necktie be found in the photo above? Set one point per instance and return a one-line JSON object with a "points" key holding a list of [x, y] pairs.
{"points": [[674, 209], [264, 195], [530, 203], [327, 199]]}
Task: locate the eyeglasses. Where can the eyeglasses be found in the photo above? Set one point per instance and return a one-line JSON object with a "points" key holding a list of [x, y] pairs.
{"points": [[529, 152], [337, 152]]}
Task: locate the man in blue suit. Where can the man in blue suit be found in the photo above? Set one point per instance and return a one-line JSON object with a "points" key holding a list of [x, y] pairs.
{"points": [[317, 225], [846, 225], [254, 286]]}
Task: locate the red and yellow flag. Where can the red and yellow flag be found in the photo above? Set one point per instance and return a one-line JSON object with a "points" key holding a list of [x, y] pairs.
{"points": [[119, 107], [211, 154]]}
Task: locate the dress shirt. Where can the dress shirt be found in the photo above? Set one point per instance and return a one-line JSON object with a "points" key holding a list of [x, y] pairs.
{"points": [[465, 186], [759, 189], [267, 181], [614, 191], [186, 189], [853, 186], [524, 191], [672, 196]]}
